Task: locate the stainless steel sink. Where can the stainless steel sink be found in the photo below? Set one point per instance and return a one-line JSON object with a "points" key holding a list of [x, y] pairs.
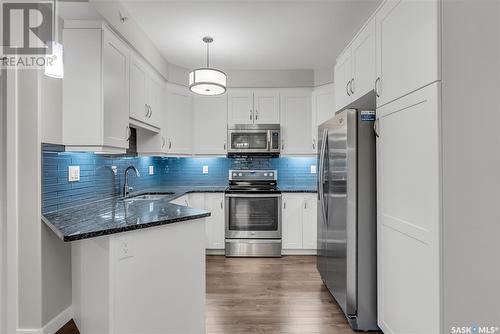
{"points": [[148, 197]]}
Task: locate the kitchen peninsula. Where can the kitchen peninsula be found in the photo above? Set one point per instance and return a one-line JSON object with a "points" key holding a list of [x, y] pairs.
{"points": [[149, 278]]}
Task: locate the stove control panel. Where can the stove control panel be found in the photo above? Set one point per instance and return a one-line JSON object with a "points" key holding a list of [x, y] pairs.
{"points": [[253, 175]]}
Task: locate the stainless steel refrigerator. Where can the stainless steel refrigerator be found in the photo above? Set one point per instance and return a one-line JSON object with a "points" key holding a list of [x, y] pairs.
{"points": [[347, 232]]}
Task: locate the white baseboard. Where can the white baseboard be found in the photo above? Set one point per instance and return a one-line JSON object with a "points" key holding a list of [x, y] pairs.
{"points": [[29, 331], [283, 252], [57, 322], [298, 252], [215, 252]]}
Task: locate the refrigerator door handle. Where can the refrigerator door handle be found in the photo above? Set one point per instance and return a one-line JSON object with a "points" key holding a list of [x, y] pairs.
{"points": [[321, 176]]}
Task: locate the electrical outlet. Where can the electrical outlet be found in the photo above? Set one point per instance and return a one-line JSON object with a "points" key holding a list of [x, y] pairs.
{"points": [[114, 169], [313, 169], [151, 170], [125, 252], [73, 173], [205, 169]]}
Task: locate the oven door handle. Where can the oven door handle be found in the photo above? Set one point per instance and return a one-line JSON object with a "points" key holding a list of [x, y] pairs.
{"points": [[253, 195]]}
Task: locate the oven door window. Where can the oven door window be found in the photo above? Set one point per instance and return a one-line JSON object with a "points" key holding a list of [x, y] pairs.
{"points": [[249, 141], [253, 213]]}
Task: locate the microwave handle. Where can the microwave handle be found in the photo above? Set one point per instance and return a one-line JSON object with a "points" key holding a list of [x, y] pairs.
{"points": [[269, 140]]}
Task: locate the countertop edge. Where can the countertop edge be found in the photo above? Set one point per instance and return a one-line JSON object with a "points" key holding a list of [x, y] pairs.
{"points": [[96, 234]]}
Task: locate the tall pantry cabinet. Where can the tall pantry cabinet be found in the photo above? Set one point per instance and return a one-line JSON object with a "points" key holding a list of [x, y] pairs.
{"points": [[436, 86]]}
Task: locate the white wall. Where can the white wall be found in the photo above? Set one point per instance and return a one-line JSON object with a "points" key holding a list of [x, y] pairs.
{"points": [[28, 183], [471, 163], [252, 78], [132, 32], [323, 76], [3, 220]]}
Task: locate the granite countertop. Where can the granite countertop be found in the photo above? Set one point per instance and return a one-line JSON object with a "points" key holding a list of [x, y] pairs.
{"points": [[114, 215]]}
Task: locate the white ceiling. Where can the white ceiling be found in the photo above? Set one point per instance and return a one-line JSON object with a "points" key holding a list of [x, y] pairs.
{"points": [[254, 34]]}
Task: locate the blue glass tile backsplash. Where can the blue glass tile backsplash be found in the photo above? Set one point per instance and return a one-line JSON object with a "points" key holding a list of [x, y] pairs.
{"points": [[97, 179]]}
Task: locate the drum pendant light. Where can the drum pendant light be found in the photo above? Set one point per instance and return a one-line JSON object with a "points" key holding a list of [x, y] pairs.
{"points": [[206, 80]]}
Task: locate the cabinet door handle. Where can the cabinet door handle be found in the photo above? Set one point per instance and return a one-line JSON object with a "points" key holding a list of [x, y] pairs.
{"points": [[128, 132], [284, 204], [305, 204], [251, 117], [375, 128], [169, 144], [146, 110], [351, 86], [377, 82], [150, 111], [224, 146], [256, 114], [221, 204], [314, 144], [282, 146], [347, 88], [162, 142]]}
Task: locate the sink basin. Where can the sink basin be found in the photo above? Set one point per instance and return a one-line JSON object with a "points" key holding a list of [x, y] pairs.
{"points": [[148, 197]]}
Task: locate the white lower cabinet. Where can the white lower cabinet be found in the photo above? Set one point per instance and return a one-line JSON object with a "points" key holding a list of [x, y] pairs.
{"points": [[214, 202], [309, 222], [183, 200], [408, 228], [214, 225], [298, 221]]}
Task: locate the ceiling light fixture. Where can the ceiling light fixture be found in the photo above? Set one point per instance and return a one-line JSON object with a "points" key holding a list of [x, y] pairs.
{"points": [[206, 80]]}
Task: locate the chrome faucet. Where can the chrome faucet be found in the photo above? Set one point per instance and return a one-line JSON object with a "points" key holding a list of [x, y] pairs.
{"points": [[126, 188]]}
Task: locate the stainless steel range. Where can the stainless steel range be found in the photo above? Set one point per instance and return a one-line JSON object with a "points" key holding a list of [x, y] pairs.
{"points": [[253, 214]]}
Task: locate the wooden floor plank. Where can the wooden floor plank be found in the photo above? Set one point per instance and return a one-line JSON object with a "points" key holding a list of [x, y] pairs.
{"points": [[269, 295]]}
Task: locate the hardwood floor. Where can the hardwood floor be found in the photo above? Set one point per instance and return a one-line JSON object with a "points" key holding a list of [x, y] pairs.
{"points": [[69, 328], [259, 295], [279, 295]]}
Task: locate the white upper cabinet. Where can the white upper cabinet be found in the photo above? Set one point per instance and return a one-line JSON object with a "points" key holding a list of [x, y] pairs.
{"points": [[138, 104], [210, 124], [257, 106], [150, 142], [323, 103], [155, 90], [145, 94], [179, 120], [342, 80], [240, 106], [115, 90], [266, 106], [355, 70], [95, 89], [407, 47], [363, 62], [323, 108], [296, 120]]}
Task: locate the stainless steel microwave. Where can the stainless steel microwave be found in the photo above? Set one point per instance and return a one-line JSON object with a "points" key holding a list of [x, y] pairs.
{"points": [[259, 139]]}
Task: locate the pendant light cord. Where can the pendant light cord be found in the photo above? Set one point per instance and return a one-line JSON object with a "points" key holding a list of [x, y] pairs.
{"points": [[208, 55]]}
